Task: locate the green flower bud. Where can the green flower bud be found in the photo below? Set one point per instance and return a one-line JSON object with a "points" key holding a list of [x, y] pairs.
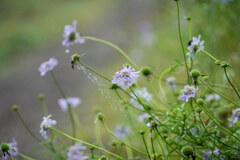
{"points": [[5, 147], [75, 57], [114, 86], [218, 63], [114, 143], [165, 136], [198, 110], [188, 18], [103, 157], [41, 97], [195, 74], [187, 151], [142, 132], [100, 116], [224, 64], [91, 148], [15, 107], [146, 71], [200, 101]]}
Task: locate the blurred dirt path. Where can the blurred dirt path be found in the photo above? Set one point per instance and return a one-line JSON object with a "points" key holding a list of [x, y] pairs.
{"points": [[21, 82]]}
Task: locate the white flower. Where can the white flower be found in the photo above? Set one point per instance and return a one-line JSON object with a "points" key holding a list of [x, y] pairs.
{"points": [[125, 77], [188, 92], [72, 101], [143, 94], [75, 152], [235, 116], [71, 36], [195, 45], [47, 66], [46, 123], [122, 131], [172, 82], [211, 97]]}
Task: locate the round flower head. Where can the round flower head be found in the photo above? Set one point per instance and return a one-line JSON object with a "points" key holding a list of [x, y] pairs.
{"points": [[188, 92], [122, 131], [47, 66], [143, 94], [125, 77], [13, 150], [71, 36], [46, 123], [235, 116], [75, 152], [195, 45], [72, 101]]}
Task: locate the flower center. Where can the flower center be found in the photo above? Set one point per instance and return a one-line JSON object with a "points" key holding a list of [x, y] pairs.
{"points": [[72, 36]]}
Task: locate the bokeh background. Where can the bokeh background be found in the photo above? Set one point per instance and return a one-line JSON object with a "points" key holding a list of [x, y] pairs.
{"points": [[31, 32]]}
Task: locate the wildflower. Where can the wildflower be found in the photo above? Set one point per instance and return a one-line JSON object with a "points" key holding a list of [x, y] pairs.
{"points": [[75, 152], [47, 66], [188, 92], [172, 82], [71, 36], [212, 97], [209, 155], [10, 149], [142, 94], [122, 131], [152, 124], [143, 117], [125, 77], [46, 123], [235, 116], [70, 101], [195, 45]]}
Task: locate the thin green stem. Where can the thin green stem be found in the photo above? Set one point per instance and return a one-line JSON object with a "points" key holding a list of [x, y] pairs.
{"points": [[210, 55], [101, 75], [168, 143], [44, 107], [113, 46], [163, 152], [145, 144], [26, 126], [225, 71], [219, 94], [69, 106], [25, 157], [133, 148], [86, 143], [180, 37], [151, 137]]}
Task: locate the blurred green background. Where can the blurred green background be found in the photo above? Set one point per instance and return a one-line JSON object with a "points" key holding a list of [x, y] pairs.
{"points": [[31, 32]]}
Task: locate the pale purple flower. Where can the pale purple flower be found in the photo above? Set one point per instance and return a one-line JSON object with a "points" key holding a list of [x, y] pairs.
{"points": [[211, 97], [125, 77], [211, 155], [47, 66], [46, 123], [235, 116], [143, 95], [122, 131], [71, 36], [172, 82], [143, 117], [71, 101], [75, 152], [13, 150], [195, 45], [188, 92]]}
